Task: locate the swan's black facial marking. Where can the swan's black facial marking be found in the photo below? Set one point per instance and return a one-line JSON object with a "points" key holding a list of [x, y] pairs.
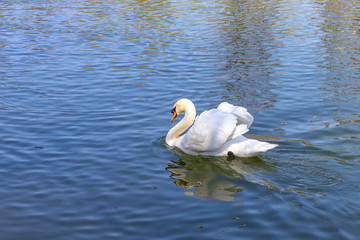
{"points": [[173, 111]]}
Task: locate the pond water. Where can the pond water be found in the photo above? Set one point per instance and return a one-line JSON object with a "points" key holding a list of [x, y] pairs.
{"points": [[86, 90]]}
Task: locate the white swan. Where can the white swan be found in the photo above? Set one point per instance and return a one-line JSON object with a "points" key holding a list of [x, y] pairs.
{"points": [[216, 132]]}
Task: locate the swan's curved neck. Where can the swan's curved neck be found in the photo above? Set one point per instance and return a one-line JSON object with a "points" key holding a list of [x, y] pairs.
{"points": [[185, 123]]}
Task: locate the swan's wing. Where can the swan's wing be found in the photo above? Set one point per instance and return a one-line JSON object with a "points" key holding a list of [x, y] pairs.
{"points": [[210, 131], [243, 116], [239, 130]]}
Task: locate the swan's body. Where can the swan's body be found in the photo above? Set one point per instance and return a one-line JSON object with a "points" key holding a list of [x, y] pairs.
{"points": [[215, 132]]}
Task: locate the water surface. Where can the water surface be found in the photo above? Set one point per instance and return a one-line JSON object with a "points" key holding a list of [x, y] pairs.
{"points": [[86, 90]]}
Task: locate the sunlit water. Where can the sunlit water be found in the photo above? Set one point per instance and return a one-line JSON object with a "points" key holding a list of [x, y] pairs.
{"points": [[86, 90]]}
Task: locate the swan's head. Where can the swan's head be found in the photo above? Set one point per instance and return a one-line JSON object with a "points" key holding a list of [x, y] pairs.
{"points": [[181, 106]]}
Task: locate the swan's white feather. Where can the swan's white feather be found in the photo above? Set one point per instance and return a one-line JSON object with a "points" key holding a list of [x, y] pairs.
{"points": [[210, 131], [242, 114], [239, 130]]}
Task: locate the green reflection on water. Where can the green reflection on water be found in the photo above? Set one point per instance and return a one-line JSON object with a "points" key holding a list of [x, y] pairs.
{"points": [[212, 178]]}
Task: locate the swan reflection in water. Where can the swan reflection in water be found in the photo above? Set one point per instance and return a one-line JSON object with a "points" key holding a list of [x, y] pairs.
{"points": [[213, 178]]}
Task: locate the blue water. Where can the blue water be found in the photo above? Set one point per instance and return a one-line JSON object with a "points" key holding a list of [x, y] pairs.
{"points": [[86, 90]]}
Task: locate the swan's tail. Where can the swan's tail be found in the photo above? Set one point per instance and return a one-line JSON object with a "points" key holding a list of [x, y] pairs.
{"points": [[256, 147], [244, 147], [267, 146]]}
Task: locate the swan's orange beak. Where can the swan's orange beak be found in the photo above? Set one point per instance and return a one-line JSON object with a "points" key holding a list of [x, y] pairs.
{"points": [[173, 111]]}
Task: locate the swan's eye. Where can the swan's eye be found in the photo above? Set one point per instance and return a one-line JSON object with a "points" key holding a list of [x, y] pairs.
{"points": [[173, 110]]}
